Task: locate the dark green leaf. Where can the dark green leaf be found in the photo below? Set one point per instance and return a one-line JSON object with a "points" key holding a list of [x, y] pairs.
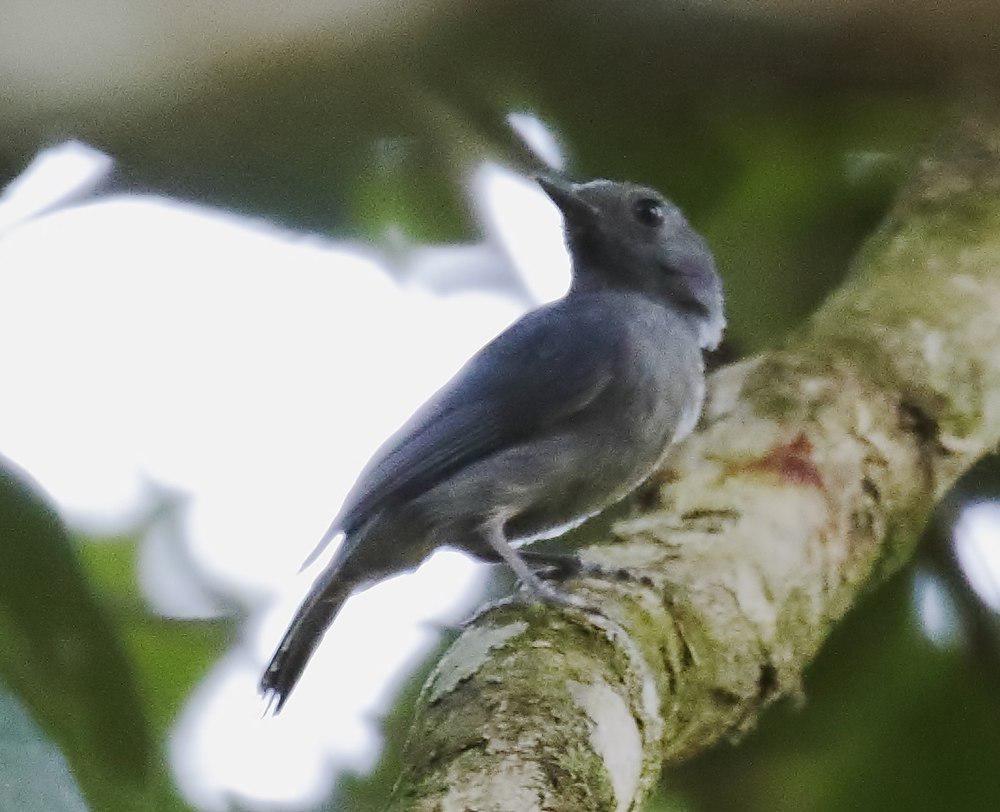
{"points": [[60, 655], [34, 776]]}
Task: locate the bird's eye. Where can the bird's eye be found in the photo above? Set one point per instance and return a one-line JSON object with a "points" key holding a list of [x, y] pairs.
{"points": [[648, 211]]}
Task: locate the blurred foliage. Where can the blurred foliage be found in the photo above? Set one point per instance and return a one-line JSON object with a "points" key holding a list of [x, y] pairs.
{"points": [[784, 142], [980, 624], [100, 675], [61, 655], [33, 773], [748, 124], [169, 656]]}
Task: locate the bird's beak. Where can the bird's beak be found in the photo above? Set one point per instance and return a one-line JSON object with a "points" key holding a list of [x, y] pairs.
{"points": [[564, 194]]}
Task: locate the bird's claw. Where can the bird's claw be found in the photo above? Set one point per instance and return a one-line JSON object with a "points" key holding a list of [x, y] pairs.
{"points": [[548, 595], [559, 571]]}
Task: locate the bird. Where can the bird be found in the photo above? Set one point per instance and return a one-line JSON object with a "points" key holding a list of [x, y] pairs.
{"points": [[566, 412]]}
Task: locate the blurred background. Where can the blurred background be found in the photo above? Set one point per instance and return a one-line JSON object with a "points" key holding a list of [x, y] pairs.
{"points": [[241, 242]]}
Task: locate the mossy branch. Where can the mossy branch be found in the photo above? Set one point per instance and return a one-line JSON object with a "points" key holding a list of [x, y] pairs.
{"points": [[812, 473]]}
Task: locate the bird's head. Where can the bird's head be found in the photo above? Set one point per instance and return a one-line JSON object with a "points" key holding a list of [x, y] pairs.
{"points": [[628, 236]]}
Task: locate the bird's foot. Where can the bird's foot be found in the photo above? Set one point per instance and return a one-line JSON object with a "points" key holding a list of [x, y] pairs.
{"points": [[554, 566], [539, 591], [560, 566]]}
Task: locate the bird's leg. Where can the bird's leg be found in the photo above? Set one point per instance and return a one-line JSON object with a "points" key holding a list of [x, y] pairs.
{"points": [[513, 559], [561, 566], [541, 590]]}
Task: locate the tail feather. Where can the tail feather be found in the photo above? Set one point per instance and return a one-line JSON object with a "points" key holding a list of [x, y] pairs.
{"points": [[331, 533], [304, 634]]}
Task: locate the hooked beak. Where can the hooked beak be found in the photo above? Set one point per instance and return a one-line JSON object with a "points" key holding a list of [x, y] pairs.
{"points": [[563, 193]]}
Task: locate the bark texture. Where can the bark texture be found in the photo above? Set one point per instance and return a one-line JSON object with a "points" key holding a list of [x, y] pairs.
{"points": [[812, 473]]}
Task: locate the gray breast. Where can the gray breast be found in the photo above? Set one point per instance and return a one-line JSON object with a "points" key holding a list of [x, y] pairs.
{"points": [[655, 402]]}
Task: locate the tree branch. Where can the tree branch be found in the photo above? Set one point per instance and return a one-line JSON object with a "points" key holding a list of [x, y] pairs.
{"points": [[812, 473]]}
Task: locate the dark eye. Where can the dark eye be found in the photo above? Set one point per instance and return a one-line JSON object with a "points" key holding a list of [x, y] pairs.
{"points": [[648, 211]]}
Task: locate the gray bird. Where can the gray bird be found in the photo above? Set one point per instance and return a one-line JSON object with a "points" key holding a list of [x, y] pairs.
{"points": [[561, 415]]}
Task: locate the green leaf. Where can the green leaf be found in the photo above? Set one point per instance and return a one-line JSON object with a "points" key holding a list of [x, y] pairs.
{"points": [[34, 776], [60, 655], [169, 656]]}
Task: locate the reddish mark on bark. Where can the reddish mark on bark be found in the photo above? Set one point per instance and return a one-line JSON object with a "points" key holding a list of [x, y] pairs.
{"points": [[791, 462]]}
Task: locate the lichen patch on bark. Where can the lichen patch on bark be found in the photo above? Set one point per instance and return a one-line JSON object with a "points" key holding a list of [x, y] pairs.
{"points": [[463, 659], [614, 737]]}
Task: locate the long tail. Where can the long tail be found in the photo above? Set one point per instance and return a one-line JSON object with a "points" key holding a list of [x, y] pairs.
{"points": [[315, 615]]}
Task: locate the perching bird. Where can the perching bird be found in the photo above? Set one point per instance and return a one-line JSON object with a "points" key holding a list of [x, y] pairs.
{"points": [[561, 415]]}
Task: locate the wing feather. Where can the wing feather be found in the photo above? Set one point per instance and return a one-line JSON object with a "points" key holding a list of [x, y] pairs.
{"points": [[545, 369]]}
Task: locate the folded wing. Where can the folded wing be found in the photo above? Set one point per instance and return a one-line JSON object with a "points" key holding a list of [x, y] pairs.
{"points": [[544, 370]]}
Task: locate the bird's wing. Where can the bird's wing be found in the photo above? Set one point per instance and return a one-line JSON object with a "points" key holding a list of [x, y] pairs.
{"points": [[543, 370]]}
